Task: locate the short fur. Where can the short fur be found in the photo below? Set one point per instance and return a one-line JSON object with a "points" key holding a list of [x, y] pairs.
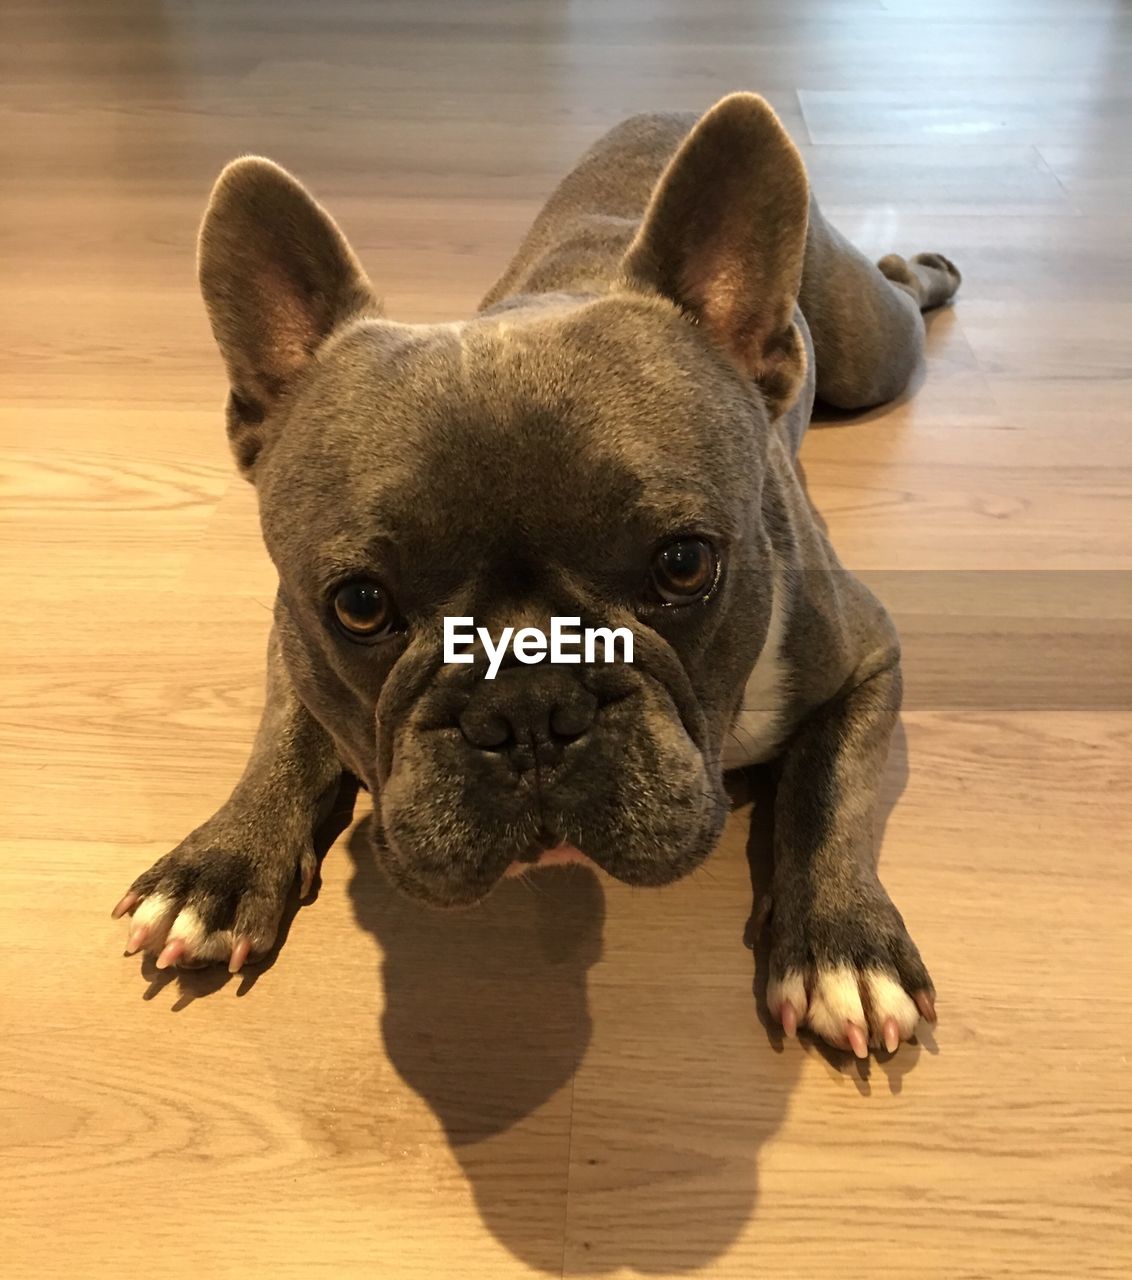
{"points": [[645, 369]]}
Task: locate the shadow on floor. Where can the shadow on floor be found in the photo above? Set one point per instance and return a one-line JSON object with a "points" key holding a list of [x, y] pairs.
{"points": [[487, 1018], [485, 1011]]}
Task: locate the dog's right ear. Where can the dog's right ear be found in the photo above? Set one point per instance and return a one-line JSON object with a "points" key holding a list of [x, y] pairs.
{"points": [[278, 278]]}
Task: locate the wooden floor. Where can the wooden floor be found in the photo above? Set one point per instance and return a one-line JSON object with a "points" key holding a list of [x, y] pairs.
{"points": [[573, 1080]]}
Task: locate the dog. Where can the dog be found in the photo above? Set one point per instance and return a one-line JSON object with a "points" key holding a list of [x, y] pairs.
{"points": [[610, 438]]}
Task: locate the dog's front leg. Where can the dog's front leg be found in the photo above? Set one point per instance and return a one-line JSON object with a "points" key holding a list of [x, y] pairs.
{"points": [[841, 960], [219, 895]]}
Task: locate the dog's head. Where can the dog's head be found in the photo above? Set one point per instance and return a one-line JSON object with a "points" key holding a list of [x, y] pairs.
{"points": [[598, 458]]}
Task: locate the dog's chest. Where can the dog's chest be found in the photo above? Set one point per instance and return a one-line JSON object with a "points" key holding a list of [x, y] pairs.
{"points": [[758, 728]]}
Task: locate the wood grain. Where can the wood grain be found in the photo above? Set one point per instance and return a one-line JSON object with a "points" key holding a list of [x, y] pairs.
{"points": [[573, 1080]]}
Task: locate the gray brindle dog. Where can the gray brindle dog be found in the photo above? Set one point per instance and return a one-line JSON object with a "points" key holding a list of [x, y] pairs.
{"points": [[612, 438]]}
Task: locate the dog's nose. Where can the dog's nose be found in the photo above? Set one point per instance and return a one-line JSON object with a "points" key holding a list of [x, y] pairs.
{"points": [[531, 714]]}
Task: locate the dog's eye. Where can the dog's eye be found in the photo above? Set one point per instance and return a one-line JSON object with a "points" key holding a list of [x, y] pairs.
{"points": [[684, 570], [364, 609]]}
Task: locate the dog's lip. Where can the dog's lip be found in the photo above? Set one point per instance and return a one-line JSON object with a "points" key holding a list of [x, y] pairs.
{"points": [[556, 854], [543, 841]]}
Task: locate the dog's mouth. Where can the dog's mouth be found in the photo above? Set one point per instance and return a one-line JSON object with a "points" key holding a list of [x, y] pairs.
{"points": [[450, 829], [547, 850], [562, 855]]}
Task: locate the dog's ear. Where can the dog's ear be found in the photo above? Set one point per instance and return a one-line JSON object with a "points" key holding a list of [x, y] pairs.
{"points": [[277, 278], [724, 237]]}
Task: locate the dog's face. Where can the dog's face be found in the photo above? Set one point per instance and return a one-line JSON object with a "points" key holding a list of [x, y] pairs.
{"points": [[597, 458], [597, 463]]}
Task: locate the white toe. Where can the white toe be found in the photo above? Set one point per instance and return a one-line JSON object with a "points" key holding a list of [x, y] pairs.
{"points": [[200, 945], [187, 928], [793, 988], [153, 914], [834, 1001], [888, 999]]}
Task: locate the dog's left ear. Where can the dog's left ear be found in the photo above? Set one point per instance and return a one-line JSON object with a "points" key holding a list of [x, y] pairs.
{"points": [[724, 237], [278, 278]]}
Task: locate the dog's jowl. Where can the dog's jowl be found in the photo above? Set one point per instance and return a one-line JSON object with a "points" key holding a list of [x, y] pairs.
{"points": [[610, 439]]}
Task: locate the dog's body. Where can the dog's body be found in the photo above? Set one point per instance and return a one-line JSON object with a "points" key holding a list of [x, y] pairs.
{"points": [[611, 437]]}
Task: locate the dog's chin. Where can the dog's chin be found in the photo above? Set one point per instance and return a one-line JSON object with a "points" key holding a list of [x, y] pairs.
{"points": [[453, 892], [652, 874], [446, 893]]}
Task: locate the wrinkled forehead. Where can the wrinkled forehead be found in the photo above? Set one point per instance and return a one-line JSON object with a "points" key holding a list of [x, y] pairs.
{"points": [[539, 431]]}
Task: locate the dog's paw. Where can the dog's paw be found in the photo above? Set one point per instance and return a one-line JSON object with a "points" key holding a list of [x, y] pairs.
{"points": [[931, 278], [855, 979], [208, 902], [942, 276]]}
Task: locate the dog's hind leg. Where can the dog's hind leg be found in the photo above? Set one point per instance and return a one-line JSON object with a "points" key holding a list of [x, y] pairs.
{"points": [[865, 320]]}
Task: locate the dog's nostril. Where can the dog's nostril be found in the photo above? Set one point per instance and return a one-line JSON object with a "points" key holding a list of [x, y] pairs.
{"points": [[488, 732]]}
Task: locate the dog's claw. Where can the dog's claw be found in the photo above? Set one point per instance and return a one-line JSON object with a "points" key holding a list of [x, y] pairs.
{"points": [[127, 903], [240, 951], [858, 1041], [137, 939], [925, 1002], [171, 953], [788, 1016], [307, 881], [891, 1035]]}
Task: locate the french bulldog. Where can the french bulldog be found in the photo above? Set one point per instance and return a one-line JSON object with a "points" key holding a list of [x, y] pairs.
{"points": [[611, 438]]}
